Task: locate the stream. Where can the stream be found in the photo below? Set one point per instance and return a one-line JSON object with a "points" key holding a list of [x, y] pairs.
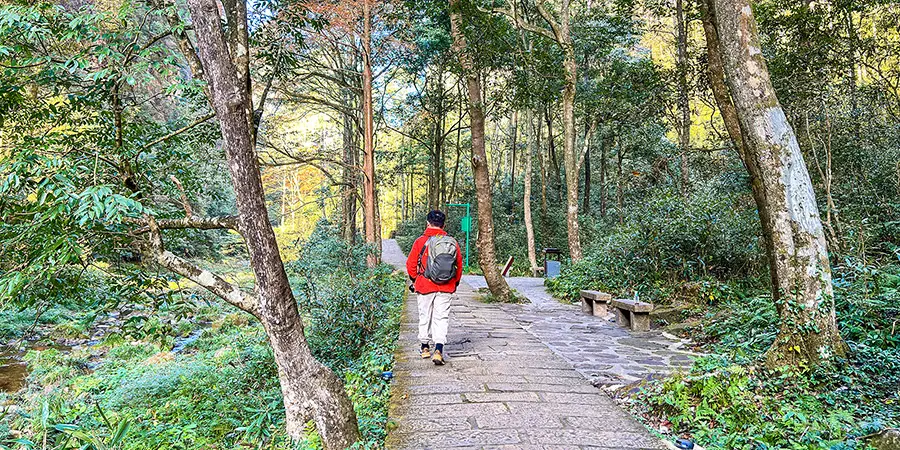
{"points": [[12, 370]]}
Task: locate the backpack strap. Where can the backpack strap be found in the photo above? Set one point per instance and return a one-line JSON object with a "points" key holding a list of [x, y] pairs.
{"points": [[420, 268]]}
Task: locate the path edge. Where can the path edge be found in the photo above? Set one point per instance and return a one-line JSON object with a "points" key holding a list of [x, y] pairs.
{"points": [[399, 389]]}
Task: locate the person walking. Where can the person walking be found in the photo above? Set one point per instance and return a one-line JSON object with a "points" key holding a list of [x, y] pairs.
{"points": [[434, 266]]}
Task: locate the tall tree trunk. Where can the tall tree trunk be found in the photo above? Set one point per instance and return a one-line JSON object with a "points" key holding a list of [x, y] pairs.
{"points": [[348, 178], [512, 160], [402, 195], [371, 216], [283, 199], [620, 189], [486, 250], [551, 155], [717, 80], [456, 164], [378, 247], [526, 199], [442, 125], [586, 207], [603, 189], [800, 267], [684, 128], [307, 385], [570, 156], [458, 146], [434, 167], [542, 166]]}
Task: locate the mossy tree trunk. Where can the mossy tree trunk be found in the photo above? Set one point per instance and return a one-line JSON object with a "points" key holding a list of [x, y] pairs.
{"points": [[798, 253]]}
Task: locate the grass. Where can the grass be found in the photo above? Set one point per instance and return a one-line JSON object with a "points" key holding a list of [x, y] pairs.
{"points": [[131, 392]]}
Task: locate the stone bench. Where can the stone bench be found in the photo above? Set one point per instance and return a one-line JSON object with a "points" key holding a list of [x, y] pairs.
{"points": [[594, 303], [633, 314]]}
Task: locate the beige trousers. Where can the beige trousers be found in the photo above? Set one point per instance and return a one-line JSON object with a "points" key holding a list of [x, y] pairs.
{"points": [[434, 317]]}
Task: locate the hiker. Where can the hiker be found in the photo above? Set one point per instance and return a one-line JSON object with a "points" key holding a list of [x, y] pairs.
{"points": [[434, 266]]}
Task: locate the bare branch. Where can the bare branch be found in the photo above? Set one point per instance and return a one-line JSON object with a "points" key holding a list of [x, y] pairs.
{"points": [[178, 131], [522, 23], [184, 199], [213, 283]]}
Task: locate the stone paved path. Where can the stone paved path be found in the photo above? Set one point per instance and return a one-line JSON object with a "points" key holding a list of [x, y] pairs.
{"points": [[600, 350], [502, 388]]}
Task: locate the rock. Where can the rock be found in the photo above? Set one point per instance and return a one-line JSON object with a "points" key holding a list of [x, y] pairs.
{"points": [[682, 327], [668, 314], [886, 440]]}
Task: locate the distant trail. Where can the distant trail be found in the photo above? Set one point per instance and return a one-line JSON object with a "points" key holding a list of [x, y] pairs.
{"points": [[501, 388], [392, 254]]}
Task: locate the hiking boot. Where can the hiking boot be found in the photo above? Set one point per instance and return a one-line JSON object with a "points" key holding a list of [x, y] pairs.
{"points": [[426, 353], [437, 358]]}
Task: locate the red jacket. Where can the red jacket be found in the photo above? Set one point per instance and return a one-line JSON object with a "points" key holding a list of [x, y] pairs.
{"points": [[422, 284]]}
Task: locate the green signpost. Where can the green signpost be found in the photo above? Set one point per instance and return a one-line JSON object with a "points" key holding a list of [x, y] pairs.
{"points": [[465, 224]]}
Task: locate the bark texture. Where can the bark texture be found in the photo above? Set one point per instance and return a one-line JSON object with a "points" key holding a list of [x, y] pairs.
{"points": [[526, 200], [369, 199], [487, 258], [308, 387], [570, 157], [800, 268], [684, 107], [604, 144], [349, 176]]}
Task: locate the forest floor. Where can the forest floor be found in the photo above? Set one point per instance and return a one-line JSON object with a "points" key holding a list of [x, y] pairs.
{"points": [[522, 376]]}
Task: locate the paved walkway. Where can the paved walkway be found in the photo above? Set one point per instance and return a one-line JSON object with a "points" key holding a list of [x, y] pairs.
{"points": [[502, 388], [600, 350]]}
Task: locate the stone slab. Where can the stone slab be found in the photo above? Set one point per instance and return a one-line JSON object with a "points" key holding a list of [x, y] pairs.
{"points": [[632, 305], [596, 296]]}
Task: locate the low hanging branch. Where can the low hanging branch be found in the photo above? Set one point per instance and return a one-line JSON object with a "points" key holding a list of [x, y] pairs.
{"points": [[229, 292], [197, 223]]}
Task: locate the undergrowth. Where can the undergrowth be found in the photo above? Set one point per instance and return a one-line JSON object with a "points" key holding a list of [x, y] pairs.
{"points": [[220, 390], [729, 401]]}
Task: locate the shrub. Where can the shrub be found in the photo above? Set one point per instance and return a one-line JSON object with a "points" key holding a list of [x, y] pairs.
{"points": [[222, 390], [713, 235], [728, 401]]}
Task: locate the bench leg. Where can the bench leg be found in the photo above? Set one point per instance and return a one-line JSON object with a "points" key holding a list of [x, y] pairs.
{"points": [[587, 306], [622, 318], [640, 321], [600, 309]]}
